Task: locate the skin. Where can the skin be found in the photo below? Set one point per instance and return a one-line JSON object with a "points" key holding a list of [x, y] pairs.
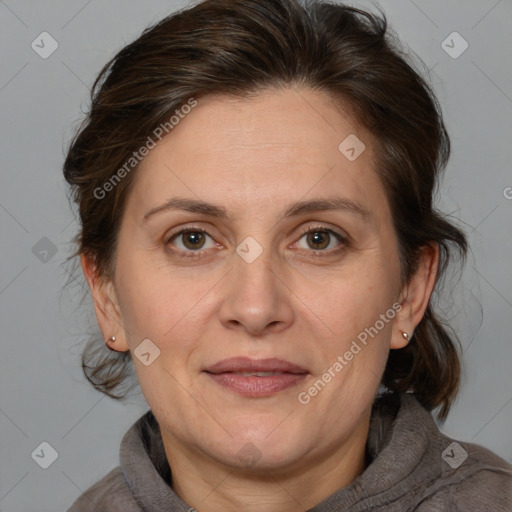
{"points": [[256, 157]]}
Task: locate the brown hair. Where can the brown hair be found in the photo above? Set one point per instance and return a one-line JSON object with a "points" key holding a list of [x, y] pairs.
{"points": [[239, 48]]}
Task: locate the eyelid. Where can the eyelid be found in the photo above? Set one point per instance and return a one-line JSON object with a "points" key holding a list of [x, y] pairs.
{"points": [[185, 229], [319, 227]]}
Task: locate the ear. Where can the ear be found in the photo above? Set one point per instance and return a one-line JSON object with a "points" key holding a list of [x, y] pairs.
{"points": [[415, 295], [106, 306]]}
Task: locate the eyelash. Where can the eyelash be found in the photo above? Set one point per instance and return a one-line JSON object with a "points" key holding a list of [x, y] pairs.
{"points": [[317, 253]]}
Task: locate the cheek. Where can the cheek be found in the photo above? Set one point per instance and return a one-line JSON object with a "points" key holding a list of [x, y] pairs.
{"points": [[360, 316], [349, 300], [156, 303], [354, 322]]}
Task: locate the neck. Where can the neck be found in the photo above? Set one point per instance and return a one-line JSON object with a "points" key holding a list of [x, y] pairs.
{"points": [[209, 486]]}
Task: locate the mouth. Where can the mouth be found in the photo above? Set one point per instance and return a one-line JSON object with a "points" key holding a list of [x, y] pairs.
{"points": [[256, 377]]}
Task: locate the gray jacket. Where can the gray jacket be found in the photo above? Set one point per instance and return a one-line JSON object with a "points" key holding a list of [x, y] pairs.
{"points": [[413, 467]]}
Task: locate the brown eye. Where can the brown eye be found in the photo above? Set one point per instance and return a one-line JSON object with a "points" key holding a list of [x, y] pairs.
{"points": [[193, 239], [318, 239], [190, 241], [321, 240]]}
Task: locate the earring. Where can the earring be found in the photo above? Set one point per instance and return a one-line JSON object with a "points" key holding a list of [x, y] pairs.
{"points": [[406, 336], [112, 338]]}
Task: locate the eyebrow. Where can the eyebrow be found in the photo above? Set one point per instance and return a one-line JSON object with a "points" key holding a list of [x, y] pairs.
{"points": [[296, 209]]}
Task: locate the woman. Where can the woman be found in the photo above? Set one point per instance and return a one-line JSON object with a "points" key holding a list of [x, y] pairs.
{"points": [[255, 183]]}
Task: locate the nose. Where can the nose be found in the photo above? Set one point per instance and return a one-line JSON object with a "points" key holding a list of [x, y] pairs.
{"points": [[256, 297]]}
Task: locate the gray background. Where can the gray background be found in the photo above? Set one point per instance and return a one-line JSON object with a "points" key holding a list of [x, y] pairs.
{"points": [[44, 396]]}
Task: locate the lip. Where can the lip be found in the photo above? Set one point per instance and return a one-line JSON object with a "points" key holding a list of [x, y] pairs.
{"points": [[246, 364], [224, 374]]}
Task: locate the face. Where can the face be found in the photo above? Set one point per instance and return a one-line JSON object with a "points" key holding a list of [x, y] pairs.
{"points": [[259, 281]]}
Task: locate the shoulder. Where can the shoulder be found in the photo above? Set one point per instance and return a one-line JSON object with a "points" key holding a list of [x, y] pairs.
{"points": [[485, 483], [471, 477], [449, 474], [110, 494]]}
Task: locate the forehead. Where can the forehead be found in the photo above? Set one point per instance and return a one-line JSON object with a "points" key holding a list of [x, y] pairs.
{"points": [[270, 149]]}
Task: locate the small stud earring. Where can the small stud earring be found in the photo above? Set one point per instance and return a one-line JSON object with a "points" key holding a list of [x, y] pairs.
{"points": [[112, 338], [406, 336]]}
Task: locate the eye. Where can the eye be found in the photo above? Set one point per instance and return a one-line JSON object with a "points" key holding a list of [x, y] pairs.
{"points": [[191, 240], [320, 238]]}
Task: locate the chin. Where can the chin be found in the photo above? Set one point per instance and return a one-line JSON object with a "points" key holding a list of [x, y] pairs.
{"points": [[264, 446]]}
